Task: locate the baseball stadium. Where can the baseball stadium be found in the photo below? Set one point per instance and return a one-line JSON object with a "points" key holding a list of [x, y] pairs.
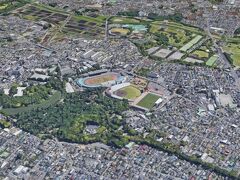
{"points": [[124, 91]]}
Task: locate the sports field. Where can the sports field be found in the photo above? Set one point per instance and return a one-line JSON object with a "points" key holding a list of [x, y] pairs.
{"points": [[96, 80], [234, 50], [148, 101], [178, 26], [129, 92], [177, 37], [124, 20], [191, 43], [211, 61], [201, 54], [120, 31]]}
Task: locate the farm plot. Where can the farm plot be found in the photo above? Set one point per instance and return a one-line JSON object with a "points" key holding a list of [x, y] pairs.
{"points": [[55, 18], [38, 13], [86, 25]]}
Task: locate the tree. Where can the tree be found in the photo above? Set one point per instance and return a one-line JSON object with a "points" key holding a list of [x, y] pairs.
{"points": [[162, 39], [13, 90]]}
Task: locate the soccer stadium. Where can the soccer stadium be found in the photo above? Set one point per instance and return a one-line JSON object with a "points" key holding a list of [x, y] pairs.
{"points": [[147, 101]]}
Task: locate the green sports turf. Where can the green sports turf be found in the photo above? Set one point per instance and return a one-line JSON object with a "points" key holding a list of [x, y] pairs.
{"points": [[148, 101], [130, 92]]}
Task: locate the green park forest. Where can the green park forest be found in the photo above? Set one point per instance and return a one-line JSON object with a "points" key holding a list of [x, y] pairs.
{"points": [[67, 118]]}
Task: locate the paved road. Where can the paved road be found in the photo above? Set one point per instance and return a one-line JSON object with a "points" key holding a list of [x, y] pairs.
{"points": [[223, 57], [106, 28]]}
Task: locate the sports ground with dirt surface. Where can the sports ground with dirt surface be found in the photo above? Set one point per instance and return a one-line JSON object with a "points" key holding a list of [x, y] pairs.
{"points": [[95, 80]]}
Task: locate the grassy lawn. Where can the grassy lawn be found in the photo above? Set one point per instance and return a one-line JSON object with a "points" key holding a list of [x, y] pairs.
{"points": [[175, 25], [191, 43], [89, 19], [143, 72], [236, 59], [233, 39], [124, 20], [148, 101], [180, 39], [101, 18], [211, 61], [177, 37], [30, 18], [52, 100], [130, 92], [6, 6], [121, 31], [49, 8], [201, 54], [234, 51], [3, 6]]}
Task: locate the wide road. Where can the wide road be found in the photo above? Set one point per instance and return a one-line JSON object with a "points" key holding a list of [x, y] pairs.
{"points": [[106, 28], [227, 64]]}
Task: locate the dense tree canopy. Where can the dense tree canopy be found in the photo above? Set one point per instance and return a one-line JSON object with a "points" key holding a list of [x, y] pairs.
{"points": [[67, 119]]}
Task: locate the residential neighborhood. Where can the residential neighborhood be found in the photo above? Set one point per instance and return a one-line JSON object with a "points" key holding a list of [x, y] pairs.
{"points": [[116, 89]]}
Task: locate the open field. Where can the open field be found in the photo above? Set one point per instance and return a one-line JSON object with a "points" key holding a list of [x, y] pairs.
{"points": [[235, 39], [96, 80], [155, 33], [3, 6], [94, 25], [162, 33], [49, 8], [136, 27], [6, 6], [176, 25], [201, 54], [45, 104], [37, 12], [120, 31], [148, 101], [129, 92], [84, 25], [211, 61], [177, 37], [234, 51], [124, 20], [191, 43]]}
